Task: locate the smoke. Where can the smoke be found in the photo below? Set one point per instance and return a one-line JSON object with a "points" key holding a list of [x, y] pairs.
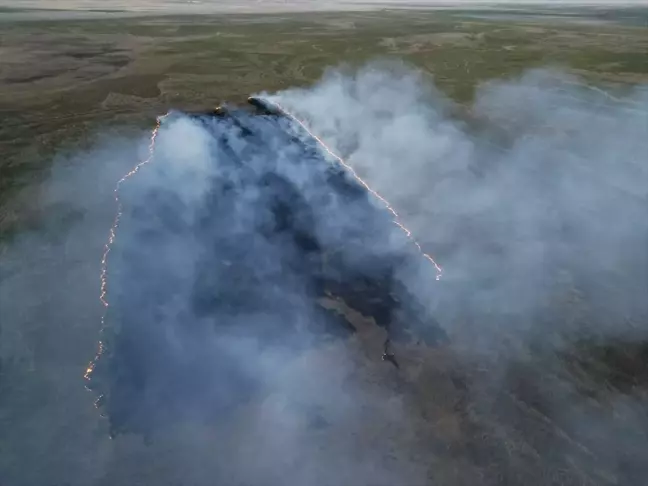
{"points": [[536, 206], [539, 191], [224, 347]]}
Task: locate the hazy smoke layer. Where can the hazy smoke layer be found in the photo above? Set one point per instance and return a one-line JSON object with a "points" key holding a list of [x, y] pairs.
{"points": [[227, 245], [199, 6], [540, 191], [534, 201], [536, 205]]}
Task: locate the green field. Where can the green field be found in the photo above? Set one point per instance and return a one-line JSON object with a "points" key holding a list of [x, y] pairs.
{"points": [[60, 81]]}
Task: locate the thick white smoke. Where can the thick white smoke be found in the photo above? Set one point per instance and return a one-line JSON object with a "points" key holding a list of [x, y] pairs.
{"points": [[535, 205], [540, 192]]}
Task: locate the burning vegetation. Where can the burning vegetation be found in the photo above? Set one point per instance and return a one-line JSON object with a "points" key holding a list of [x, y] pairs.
{"points": [[241, 259]]}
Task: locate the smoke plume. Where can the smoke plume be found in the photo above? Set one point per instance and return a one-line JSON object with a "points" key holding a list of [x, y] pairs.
{"points": [[226, 350], [540, 190]]}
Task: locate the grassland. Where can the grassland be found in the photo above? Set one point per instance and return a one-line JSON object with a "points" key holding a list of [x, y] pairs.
{"points": [[62, 80]]}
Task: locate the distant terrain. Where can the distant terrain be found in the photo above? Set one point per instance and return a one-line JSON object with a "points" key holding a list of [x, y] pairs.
{"points": [[61, 78]]}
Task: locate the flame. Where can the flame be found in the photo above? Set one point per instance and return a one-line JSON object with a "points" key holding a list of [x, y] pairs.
{"points": [[103, 276], [351, 170], [151, 151]]}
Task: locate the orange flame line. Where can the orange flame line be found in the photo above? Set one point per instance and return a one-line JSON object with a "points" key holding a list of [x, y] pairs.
{"points": [[113, 230], [111, 239], [351, 170]]}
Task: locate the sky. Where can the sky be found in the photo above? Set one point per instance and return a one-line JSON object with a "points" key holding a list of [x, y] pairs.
{"points": [[265, 5]]}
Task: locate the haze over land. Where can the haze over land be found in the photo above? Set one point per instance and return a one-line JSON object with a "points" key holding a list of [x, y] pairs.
{"points": [[195, 6], [512, 145]]}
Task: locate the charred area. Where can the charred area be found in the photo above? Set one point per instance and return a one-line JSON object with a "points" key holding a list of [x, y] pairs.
{"points": [[243, 262]]}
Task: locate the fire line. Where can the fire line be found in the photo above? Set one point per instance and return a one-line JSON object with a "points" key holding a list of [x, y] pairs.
{"points": [[103, 277], [103, 295], [351, 170]]}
